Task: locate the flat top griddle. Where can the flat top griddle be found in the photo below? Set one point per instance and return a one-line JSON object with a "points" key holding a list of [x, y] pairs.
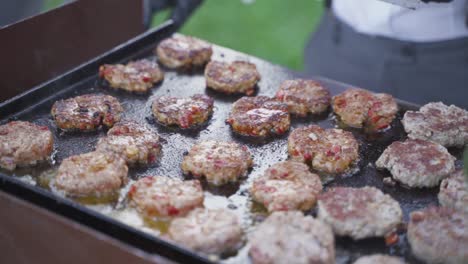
{"points": [[35, 106]]}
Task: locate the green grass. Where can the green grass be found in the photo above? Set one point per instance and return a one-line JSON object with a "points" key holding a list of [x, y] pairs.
{"points": [[276, 30]]}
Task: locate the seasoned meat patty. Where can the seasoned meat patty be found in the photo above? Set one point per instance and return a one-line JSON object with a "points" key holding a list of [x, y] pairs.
{"points": [[291, 237], [238, 77], [454, 192], [183, 112], [330, 151], [379, 259], [136, 76], [86, 112], [24, 144], [208, 231], [359, 212], [93, 174], [361, 108], [259, 116], [439, 235], [137, 143], [159, 196], [417, 163], [220, 162], [287, 185], [446, 125], [181, 51], [304, 96]]}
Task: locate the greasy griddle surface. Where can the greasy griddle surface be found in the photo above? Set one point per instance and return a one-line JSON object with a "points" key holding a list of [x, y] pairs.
{"points": [[265, 152]]}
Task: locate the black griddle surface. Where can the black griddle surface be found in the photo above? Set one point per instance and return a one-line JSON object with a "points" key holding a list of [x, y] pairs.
{"points": [[265, 152]]}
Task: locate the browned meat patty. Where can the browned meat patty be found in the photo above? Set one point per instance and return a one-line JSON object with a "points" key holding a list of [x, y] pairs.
{"points": [[220, 162], [361, 108], [259, 116], [379, 259], [304, 96], [86, 112], [93, 174], [183, 112], [287, 185], [330, 151], [238, 77], [291, 237], [446, 125], [137, 143], [159, 196], [439, 235], [24, 144], [454, 191], [136, 76], [359, 212], [208, 231], [181, 51], [417, 163]]}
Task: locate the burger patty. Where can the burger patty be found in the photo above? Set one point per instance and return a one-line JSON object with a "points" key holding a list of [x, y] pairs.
{"points": [[181, 51], [454, 192], [417, 163], [360, 108], [287, 185], [304, 96], [136, 76], [446, 125], [159, 196], [220, 162], [208, 231], [359, 212], [135, 142], [291, 237], [86, 112], [379, 259], [93, 174], [24, 144], [439, 235], [259, 116], [330, 151], [183, 112], [238, 77]]}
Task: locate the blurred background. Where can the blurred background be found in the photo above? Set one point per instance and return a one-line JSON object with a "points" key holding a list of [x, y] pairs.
{"points": [[275, 30]]}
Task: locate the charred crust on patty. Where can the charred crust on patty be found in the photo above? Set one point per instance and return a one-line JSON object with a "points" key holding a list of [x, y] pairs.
{"points": [[86, 112], [360, 108], [331, 151], [135, 76], [218, 161], [304, 96], [188, 112], [183, 52], [259, 116], [237, 77], [136, 142]]}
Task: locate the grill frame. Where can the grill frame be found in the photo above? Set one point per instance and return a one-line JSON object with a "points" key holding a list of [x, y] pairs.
{"points": [[136, 48]]}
